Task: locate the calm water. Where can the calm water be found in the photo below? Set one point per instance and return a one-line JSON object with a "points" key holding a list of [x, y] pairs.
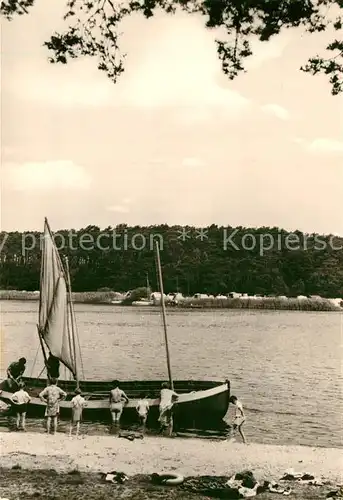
{"points": [[286, 367]]}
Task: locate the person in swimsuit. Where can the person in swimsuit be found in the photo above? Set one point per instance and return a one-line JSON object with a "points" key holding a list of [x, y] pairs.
{"points": [[52, 395], [239, 417], [15, 371], [167, 399], [77, 405], [20, 399], [118, 399], [142, 409]]}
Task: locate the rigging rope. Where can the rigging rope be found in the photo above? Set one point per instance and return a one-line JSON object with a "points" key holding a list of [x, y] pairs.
{"points": [[79, 346], [41, 372], [34, 362]]}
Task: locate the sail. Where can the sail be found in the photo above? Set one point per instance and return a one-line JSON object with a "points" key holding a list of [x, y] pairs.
{"points": [[54, 318]]}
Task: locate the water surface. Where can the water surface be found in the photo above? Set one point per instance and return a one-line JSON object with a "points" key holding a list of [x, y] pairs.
{"points": [[286, 367]]}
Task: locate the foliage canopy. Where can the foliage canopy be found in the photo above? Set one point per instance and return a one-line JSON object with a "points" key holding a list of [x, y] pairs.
{"points": [[94, 29], [213, 264]]}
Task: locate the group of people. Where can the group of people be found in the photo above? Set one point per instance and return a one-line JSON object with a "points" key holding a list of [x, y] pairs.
{"points": [[52, 395], [168, 397]]}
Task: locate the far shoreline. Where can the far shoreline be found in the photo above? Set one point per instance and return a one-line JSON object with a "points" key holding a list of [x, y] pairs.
{"points": [[193, 304]]}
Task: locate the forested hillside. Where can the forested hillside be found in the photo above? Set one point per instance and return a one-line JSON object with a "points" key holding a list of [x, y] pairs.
{"points": [[214, 260]]}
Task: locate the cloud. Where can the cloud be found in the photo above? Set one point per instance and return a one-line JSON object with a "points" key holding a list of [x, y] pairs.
{"points": [[182, 70], [276, 110], [48, 175], [119, 209], [265, 51], [192, 162], [299, 140], [325, 145]]}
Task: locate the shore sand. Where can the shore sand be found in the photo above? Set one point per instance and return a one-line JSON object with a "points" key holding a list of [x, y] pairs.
{"points": [[189, 457]]}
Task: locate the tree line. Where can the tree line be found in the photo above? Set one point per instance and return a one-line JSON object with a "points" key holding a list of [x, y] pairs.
{"points": [[215, 260]]}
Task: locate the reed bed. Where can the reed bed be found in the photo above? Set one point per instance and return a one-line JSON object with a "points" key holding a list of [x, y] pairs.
{"points": [[78, 297], [266, 303], [18, 295]]}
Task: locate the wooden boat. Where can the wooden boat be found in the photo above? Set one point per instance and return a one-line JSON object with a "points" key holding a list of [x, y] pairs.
{"points": [[201, 404]]}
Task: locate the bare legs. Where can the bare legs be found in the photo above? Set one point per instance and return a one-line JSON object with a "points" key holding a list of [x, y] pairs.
{"points": [[54, 424], [116, 419], [240, 430], [77, 428], [143, 420], [21, 419], [166, 421]]}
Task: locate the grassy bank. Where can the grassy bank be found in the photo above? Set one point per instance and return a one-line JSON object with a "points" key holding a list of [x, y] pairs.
{"points": [[264, 303]]}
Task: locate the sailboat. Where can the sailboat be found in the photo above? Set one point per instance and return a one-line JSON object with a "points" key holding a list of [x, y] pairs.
{"points": [[201, 404]]}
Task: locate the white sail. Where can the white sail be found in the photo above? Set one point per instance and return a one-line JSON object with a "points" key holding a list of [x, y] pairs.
{"points": [[54, 319]]}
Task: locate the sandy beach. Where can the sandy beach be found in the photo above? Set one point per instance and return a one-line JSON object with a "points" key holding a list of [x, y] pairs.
{"points": [[54, 457], [153, 454]]}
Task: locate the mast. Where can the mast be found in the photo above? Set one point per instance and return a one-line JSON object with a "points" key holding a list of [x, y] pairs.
{"points": [[40, 301], [72, 317], [147, 286], [164, 314], [42, 346]]}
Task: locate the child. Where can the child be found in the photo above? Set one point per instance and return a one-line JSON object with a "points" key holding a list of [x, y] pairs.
{"points": [[77, 405], [167, 400], [20, 399], [142, 408], [239, 417], [118, 399], [52, 396]]}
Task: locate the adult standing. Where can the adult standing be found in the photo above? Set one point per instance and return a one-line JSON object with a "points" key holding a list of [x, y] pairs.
{"points": [[53, 367], [15, 371]]}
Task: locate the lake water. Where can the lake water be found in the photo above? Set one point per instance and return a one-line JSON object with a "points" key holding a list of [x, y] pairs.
{"points": [[286, 367]]}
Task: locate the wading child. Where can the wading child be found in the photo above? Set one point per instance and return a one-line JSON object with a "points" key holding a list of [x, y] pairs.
{"points": [[167, 399], [20, 399], [77, 405], [239, 417], [142, 409], [118, 399]]}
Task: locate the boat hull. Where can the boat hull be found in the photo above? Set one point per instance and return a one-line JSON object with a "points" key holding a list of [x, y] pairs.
{"points": [[201, 404]]}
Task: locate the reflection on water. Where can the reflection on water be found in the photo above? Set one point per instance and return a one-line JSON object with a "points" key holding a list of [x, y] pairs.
{"points": [[285, 366]]}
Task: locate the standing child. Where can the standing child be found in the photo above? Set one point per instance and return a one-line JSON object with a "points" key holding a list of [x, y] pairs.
{"points": [[142, 409], [20, 399], [239, 417], [52, 396], [77, 405]]}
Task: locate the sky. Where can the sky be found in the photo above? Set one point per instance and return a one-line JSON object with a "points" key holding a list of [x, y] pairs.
{"points": [[174, 141]]}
